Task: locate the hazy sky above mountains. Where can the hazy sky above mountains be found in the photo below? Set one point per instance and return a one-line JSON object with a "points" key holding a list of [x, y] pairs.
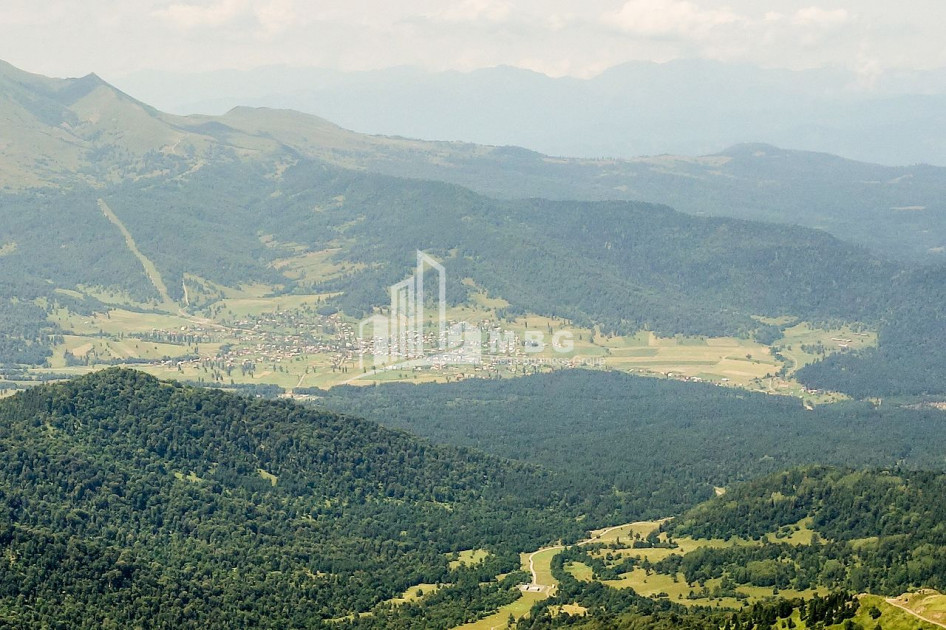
{"points": [[556, 37]]}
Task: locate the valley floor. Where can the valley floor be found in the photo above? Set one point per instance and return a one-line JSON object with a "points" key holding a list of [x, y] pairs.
{"points": [[250, 338]]}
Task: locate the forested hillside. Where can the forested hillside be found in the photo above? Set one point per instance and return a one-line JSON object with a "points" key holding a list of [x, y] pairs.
{"points": [[131, 502], [880, 532], [909, 360], [663, 444], [620, 265]]}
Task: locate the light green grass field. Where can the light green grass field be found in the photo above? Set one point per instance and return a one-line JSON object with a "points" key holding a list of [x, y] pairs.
{"points": [[798, 534], [835, 340], [579, 570], [574, 610], [315, 266], [518, 609], [416, 593], [891, 618], [542, 563], [675, 587], [468, 558]]}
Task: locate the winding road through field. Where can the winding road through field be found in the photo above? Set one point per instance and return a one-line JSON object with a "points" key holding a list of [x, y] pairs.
{"points": [[549, 588]]}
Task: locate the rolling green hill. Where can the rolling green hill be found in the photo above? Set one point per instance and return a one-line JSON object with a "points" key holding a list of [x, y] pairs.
{"points": [[909, 360], [129, 502], [880, 532], [621, 265]]}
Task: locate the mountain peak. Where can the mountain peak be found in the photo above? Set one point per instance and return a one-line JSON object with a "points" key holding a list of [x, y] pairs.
{"points": [[94, 78]]}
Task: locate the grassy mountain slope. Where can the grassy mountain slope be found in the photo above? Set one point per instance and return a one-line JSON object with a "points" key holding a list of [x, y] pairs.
{"points": [[127, 501], [61, 130], [66, 132]]}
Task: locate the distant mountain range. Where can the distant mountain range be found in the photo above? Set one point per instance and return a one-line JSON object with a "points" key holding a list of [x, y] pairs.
{"points": [[686, 107], [63, 132]]}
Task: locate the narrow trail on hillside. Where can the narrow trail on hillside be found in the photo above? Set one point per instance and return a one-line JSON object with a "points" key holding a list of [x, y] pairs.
{"points": [[893, 602], [150, 269]]}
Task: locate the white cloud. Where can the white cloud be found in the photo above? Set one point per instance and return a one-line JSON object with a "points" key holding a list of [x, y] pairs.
{"points": [[475, 10], [194, 15], [264, 18], [658, 18], [276, 15], [816, 16], [575, 37]]}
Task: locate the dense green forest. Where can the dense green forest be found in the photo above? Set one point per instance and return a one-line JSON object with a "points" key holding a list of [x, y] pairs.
{"points": [[62, 238], [129, 502], [662, 444]]}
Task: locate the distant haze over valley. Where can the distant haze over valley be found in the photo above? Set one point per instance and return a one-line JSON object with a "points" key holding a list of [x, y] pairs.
{"points": [[693, 107]]}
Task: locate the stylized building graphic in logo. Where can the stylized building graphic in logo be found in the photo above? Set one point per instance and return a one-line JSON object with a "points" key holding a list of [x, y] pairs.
{"points": [[407, 338], [404, 336]]}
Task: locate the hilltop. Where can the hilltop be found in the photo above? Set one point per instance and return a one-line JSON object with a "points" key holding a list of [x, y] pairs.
{"points": [[127, 501]]}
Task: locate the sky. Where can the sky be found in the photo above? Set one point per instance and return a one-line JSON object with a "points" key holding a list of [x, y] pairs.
{"points": [[115, 38]]}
